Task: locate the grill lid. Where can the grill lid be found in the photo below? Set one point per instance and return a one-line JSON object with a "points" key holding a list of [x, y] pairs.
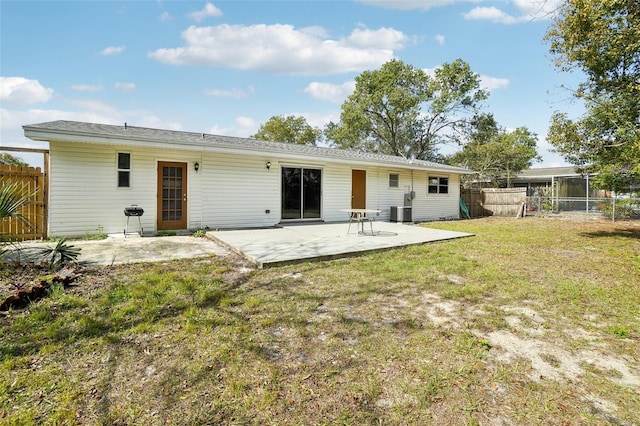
{"points": [[133, 211]]}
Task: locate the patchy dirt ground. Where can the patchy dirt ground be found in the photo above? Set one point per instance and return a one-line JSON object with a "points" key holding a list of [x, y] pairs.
{"points": [[528, 338]]}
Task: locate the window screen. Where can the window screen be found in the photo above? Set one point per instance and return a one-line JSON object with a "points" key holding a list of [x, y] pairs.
{"points": [[124, 170], [394, 180], [438, 185]]}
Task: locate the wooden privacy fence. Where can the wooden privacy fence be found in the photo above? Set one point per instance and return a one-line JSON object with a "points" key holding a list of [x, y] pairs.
{"points": [[32, 183], [494, 201], [504, 201]]}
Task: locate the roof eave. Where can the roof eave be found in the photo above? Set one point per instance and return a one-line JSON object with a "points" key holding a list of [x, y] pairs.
{"points": [[52, 135]]}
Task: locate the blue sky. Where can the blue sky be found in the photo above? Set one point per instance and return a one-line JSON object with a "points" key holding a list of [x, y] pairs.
{"points": [[225, 67]]}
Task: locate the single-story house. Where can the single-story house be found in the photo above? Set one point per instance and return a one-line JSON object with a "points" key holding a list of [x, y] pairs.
{"points": [[186, 180]]}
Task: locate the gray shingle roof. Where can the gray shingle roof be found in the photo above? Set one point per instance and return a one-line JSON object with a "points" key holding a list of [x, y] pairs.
{"points": [[121, 134], [548, 172]]}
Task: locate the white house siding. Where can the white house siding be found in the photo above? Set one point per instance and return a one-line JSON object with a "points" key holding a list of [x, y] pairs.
{"points": [[84, 196], [238, 190], [427, 207], [228, 191]]}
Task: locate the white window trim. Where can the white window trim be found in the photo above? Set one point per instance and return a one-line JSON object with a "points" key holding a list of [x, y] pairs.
{"points": [[389, 180], [118, 170], [429, 177]]}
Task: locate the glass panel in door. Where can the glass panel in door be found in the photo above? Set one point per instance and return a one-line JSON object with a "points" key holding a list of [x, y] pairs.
{"points": [[291, 193], [301, 193], [311, 193], [172, 195]]}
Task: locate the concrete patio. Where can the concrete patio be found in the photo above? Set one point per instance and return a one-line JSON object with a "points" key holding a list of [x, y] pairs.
{"points": [[306, 242], [264, 247]]}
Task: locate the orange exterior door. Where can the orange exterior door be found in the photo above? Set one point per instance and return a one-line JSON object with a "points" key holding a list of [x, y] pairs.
{"points": [[358, 189], [172, 195]]}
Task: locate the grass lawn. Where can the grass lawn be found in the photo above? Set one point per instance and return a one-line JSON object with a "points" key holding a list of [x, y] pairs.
{"points": [[531, 321]]}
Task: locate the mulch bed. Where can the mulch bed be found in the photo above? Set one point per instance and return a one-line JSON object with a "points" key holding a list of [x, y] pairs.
{"points": [[23, 294]]}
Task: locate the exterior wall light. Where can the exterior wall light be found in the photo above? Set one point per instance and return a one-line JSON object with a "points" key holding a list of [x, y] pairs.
{"points": [[268, 165], [196, 166]]}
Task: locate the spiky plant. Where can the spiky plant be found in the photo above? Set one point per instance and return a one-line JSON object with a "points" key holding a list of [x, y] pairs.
{"points": [[11, 201]]}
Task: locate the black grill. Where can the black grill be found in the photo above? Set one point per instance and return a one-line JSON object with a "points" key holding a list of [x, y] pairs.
{"points": [[133, 211]]}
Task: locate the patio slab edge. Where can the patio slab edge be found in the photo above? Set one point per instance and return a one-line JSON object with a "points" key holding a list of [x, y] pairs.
{"points": [[262, 261], [345, 255]]}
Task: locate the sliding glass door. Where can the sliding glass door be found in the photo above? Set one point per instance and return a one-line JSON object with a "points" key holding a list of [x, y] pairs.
{"points": [[301, 193]]}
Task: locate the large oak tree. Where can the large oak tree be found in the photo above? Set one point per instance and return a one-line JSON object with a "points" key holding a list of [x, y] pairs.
{"points": [[602, 40], [401, 110]]}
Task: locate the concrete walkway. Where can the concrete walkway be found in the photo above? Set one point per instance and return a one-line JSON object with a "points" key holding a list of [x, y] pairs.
{"points": [[264, 247], [298, 243], [116, 249]]}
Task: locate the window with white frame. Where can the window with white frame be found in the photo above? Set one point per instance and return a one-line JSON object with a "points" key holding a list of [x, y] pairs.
{"points": [[438, 185], [394, 180], [124, 170]]}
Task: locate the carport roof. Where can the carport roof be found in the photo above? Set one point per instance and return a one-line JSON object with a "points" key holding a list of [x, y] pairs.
{"points": [[74, 131]]}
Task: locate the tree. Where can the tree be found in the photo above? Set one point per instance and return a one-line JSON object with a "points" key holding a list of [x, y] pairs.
{"points": [[290, 129], [496, 154], [401, 110], [601, 39], [9, 159]]}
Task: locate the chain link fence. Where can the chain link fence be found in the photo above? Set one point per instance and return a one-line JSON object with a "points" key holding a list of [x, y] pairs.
{"points": [[615, 207]]}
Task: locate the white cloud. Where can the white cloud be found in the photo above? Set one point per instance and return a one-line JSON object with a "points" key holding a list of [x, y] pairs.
{"points": [[112, 50], [319, 120], [165, 16], [242, 127], [22, 91], [486, 82], [330, 92], [87, 87], [125, 87], [525, 11], [490, 14], [408, 4], [493, 83], [90, 111], [383, 38], [282, 49], [230, 93], [440, 39], [537, 9], [431, 72], [209, 11]]}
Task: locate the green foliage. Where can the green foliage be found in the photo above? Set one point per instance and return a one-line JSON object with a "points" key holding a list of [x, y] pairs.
{"points": [[624, 209], [495, 153], [199, 233], [401, 110], [290, 129], [98, 235], [620, 332], [61, 254], [602, 40], [6, 158], [12, 200]]}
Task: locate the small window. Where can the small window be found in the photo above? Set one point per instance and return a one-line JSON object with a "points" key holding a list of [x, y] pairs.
{"points": [[438, 185], [394, 180], [124, 170]]}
